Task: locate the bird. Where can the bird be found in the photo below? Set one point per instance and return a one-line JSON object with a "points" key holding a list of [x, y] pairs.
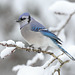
{"points": [[38, 35]]}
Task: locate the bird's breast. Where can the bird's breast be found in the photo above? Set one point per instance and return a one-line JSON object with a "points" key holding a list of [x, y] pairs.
{"points": [[31, 36]]}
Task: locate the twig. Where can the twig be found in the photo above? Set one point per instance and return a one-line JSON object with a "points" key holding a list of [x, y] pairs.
{"points": [[63, 26], [59, 13], [53, 61], [58, 70], [60, 55], [33, 50], [50, 63]]}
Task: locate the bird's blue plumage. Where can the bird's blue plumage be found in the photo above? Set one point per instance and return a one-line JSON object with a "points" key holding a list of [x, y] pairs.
{"points": [[24, 14], [64, 51], [50, 35], [35, 26]]}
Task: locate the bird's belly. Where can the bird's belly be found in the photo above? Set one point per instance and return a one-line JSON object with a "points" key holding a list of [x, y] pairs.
{"points": [[37, 39], [33, 37]]}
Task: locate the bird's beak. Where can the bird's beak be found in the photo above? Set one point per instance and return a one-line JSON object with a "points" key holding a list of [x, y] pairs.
{"points": [[18, 20]]}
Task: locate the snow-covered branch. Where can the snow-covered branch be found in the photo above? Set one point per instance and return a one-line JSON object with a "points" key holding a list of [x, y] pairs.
{"points": [[20, 46], [12, 46], [58, 69], [58, 29], [63, 10], [52, 60]]}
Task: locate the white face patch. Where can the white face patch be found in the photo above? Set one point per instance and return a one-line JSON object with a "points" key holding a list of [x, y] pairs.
{"points": [[24, 16], [23, 23]]}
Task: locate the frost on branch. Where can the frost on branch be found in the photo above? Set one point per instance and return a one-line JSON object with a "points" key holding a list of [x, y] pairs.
{"points": [[10, 42], [11, 46], [7, 51], [62, 8], [3, 42], [20, 44]]}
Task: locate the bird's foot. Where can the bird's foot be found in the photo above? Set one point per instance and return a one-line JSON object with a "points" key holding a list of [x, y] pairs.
{"points": [[39, 50], [30, 47]]}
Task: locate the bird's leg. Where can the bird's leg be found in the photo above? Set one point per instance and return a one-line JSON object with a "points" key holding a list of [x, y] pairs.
{"points": [[39, 49], [31, 47]]}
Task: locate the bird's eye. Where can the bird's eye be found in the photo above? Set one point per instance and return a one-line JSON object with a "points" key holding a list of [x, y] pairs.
{"points": [[22, 19]]}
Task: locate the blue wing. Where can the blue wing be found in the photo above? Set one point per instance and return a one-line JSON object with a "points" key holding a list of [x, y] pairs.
{"points": [[37, 27], [49, 34]]}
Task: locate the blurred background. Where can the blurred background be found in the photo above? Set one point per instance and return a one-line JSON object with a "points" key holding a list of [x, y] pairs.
{"points": [[10, 10]]}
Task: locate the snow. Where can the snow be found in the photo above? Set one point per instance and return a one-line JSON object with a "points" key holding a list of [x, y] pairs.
{"points": [[47, 62], [3, 42], [20, 44], [7, 51], [51, 70], [71, 50], [28, 70], [35, 58], [16, 68], [60, 25], [63, 7], [10, 42]]}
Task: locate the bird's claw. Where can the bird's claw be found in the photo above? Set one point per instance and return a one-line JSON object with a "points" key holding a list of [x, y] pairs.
{"points": [[39, 50], [30, 47]]}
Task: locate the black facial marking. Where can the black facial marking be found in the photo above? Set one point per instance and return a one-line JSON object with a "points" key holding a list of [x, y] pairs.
{"points": [[22, 19], [29, 19]]}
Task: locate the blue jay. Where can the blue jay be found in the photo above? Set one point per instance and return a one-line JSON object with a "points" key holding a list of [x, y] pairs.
{"points": [[36, 34]]}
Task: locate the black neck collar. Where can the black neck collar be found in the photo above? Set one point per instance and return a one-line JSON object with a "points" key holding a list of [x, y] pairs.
{"points": [[29, 19]]}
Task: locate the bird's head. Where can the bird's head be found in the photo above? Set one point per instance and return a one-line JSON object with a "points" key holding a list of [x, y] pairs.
{"points": [[24, 19]]}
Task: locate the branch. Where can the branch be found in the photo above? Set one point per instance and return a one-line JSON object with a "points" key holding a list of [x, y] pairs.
{"points": [[59, 13], [58, 70], [53, 61], [30, 49], [64, 25], [11, 45]]}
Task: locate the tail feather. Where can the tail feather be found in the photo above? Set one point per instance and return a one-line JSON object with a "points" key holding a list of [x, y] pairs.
{"points": [[63, 50]]}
